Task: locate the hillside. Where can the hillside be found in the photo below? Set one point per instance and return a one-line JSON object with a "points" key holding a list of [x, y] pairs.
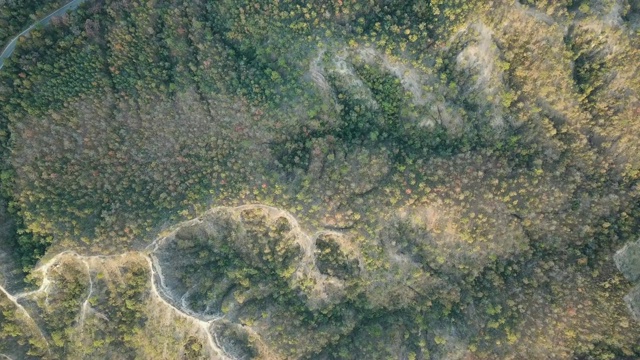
{"points": [[322, 180]]}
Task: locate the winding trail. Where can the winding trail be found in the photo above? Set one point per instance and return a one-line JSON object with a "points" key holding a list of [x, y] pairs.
{"points": [[24, 311], [11, 44], [159, 289], [44, 269], [85, 304], [203, 323]]}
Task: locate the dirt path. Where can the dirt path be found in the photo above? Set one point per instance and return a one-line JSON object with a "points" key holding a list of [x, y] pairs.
{"points": [[85, 304], [159, 289], [11, 44], [24, 311], [204, 324]]}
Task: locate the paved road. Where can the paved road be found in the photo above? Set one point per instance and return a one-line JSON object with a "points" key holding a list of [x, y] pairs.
{"points": [[11, 45]]}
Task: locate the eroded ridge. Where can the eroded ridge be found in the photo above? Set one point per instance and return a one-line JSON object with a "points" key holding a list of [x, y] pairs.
{"points": [[236, 282], [239, 268], [86, 293]]}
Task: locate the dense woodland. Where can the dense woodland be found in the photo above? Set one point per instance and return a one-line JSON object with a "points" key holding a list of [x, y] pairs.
{"points": [[440, 179], [17, 15]]}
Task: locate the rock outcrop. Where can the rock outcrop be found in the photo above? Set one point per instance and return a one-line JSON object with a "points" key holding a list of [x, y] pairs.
{"points": [[628, 262]]}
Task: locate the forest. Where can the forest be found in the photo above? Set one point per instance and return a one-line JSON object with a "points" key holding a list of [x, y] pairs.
{"points": [[16, 15], [329, 179]]}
